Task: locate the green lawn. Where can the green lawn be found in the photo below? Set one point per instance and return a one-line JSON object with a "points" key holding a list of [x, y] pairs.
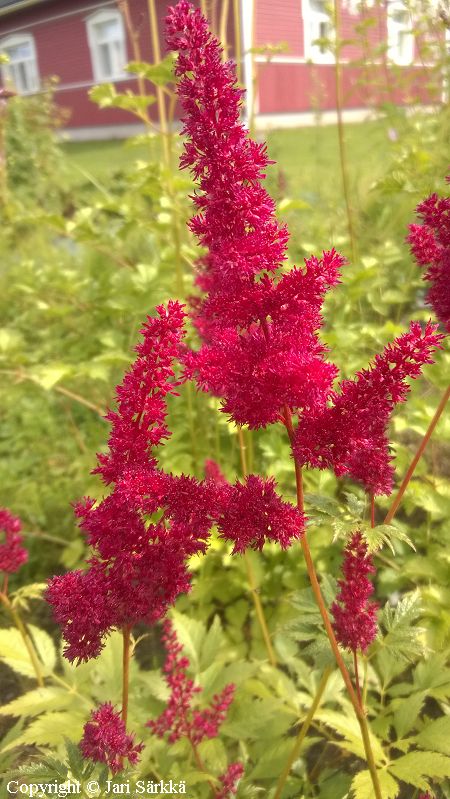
{"points": [[308, 157]]}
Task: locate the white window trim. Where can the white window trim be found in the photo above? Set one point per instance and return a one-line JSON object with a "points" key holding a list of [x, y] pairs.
{"points": [[394, 28], [312, 51], [105, 15], [15, 40]]}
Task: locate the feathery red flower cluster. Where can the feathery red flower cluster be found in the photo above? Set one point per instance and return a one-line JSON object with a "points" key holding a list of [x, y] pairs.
{"points": [[261, 352], [350, 435], [261, 349], [354, 615], [230, 780], [138, 567], [180, 719], [105, 739], [430, 245], [12, 553]]}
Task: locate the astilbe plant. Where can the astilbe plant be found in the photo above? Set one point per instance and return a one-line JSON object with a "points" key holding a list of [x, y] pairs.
{"points": [[262, 354], [259, 327]]}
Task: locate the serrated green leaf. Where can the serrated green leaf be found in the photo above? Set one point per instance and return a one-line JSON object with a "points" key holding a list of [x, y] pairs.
{"points": [[35, 702], [191, 634], [406, 715], [362, 785], [349, 729], [211, 644], [435, 735], [416, 767], [50, 729]]}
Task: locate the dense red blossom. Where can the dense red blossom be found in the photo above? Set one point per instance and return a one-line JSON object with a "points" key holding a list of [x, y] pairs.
{"points": [[253, 513], [105, 739], [350, 435], [138, 424], [12, 553], [139, 566], [229, 781], [260, 330], [213, 472], [180, 718], [430, 245], [355, 623]]}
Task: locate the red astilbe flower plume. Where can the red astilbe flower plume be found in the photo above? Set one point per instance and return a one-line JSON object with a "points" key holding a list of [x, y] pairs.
{"points": [[12, 553], [180, 718], [260, 345], [229, 781], [430, 245], [355, 624], [350, 435], [139, 567], [105, 739], [253, 513]]}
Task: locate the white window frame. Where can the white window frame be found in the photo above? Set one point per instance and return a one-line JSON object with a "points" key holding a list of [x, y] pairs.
{"points": [[397, 28], [313, 19], [30, 64], [102, 16]]}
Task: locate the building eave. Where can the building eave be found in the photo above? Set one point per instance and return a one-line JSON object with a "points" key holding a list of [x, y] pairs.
{"points": [[19, 6]]}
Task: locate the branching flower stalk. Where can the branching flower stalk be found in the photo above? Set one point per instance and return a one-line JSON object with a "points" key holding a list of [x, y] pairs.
{"points": [[260, 350]]}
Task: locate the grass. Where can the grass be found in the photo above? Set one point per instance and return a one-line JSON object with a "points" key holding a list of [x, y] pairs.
{"points": [[307, 158]]}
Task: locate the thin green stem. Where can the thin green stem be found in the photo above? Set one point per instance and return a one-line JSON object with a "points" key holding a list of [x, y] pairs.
{"points": [[359, 710], [303, 732], [404, 484], [340, 129], [25, 637]]}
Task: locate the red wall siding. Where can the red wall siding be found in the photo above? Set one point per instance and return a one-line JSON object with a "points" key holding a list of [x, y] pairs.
{"points": [[279, 22]]}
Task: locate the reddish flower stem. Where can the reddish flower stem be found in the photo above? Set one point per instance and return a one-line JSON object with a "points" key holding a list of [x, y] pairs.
{"points": [[357, 706], [404, 484], [358, 687], [200, 765]]}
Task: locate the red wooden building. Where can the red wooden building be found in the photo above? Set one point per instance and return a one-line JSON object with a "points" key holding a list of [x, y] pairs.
{"points": [[291, 75]]}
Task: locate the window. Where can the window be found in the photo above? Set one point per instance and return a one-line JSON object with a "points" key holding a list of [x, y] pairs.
{"points": [[22, 70], [106, 38], [317, 26], [400, 36]]}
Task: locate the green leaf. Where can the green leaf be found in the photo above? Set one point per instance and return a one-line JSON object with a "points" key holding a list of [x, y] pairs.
{"points": [[191, 634], [435, 736], [349, 729], [362, 785], [382, 534], [35, 702], [74, 758], [14, 653], [402, 639], [406, 715], [48, 376], [45, 648], [23, 595], [416, 767], [50, 729], [211, 644], [159, 74]]}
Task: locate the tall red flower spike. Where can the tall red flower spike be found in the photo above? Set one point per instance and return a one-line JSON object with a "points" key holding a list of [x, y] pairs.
{"points": [[180, 719], [430, 245], [139, 567], [260, 347], [12, 553], [355, 624], [351, 435]]}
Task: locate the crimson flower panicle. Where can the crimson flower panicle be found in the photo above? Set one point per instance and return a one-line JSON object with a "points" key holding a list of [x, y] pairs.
{"points": [[12, 553], [229, 781], [350, 435], [180, 719], [105, 739], [253, 513], [430, 245], [138, 567], [355, 624], [260, 345]]}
